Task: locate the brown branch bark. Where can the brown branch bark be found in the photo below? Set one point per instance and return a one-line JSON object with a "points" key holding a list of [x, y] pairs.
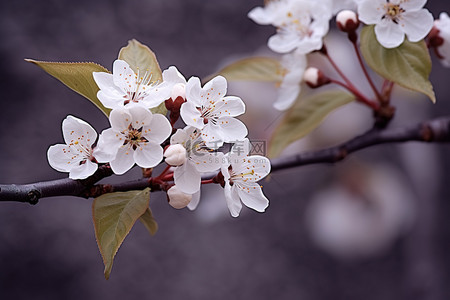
{"points": [[436, 131]]}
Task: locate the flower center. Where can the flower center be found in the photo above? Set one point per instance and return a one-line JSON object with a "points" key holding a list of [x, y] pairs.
{"points": [[141, 87], [133, 137], [393, 12], [300, 24]]}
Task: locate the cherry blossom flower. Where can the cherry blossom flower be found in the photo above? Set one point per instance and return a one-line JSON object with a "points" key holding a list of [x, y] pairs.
{"points": [[443, 25], [293, 67], [200, 159], [209, 110], [301, 24], [124, 87], [395, 18], [134, 137], [76, 156], [241, 172]]}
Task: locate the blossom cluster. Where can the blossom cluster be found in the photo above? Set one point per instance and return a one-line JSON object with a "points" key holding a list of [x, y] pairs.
{"points": [[301, 26], [137, 136]]}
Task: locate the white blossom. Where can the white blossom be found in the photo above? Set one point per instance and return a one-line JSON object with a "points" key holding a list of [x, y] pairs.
{"points": [[76, 155], [293, 66], [241, 172], [443, 25], [134, 137], [209, 110], [124, 87], [301, 24], [395, 18], [200, 159], [175, 82]]}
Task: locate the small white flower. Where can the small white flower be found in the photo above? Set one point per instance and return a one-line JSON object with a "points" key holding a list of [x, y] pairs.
{"points": [[200, 159], [76, 156], [395, 18], [134, 137], [301, 24], [443, 25], [293, 67], [241, 172], [124, 87], [209, 110]]}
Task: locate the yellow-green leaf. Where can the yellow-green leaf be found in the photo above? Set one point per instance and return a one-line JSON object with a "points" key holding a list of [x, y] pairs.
{"points": [[149, 222], [77, 76], [252, 69], [141, 59], [114, 215], [306, 114], [408, 65]]}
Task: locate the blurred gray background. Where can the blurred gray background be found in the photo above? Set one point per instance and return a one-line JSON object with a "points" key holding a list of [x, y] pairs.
{"points": [[373, 227]]}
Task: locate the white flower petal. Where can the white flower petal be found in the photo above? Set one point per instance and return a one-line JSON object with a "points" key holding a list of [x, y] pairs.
{"points": [[262, 16], [193, 91], [140, 116], [75, 129], [124, 160], [109, 101], [83, 171], [173, 76], [206, 162], [252, 196], [108, 145], [389, 34], [232, 129], [194, 201], [417, 30], [412, 5], [230, 106], [120, 119], [187, 178], [371, 11], [180, 136], [158, 130], [215, 89], [148, 155], [191, 116], [123, 76], [233, 201], [61, 158], [283, 43], [212, 135], [287, 94]]}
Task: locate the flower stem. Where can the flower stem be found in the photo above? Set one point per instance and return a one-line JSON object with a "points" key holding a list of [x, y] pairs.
{"points": [[359, 97], [364, 69]]}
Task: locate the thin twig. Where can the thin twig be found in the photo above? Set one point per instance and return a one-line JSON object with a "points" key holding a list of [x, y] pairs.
{"points": [[437, 130]]}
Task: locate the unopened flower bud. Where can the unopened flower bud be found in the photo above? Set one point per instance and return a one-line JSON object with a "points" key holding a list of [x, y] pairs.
{"points": [[347, 21], [314, 78], [178, 90], [178, 199], [175, 155]]}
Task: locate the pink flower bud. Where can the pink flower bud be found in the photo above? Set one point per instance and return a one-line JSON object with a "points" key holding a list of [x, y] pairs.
{"points": [[175, 155], [178, 199], [347, 21]]}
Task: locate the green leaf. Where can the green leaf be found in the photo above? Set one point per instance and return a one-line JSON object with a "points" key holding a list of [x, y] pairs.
{"points": [[77, 76], [141, 59], [306, 114], [252, 69], [408, 65], [149, 222], [114, 215]]}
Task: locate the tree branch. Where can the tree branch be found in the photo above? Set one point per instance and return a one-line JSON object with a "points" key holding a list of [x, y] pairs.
{"points": [[437, 130]]}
